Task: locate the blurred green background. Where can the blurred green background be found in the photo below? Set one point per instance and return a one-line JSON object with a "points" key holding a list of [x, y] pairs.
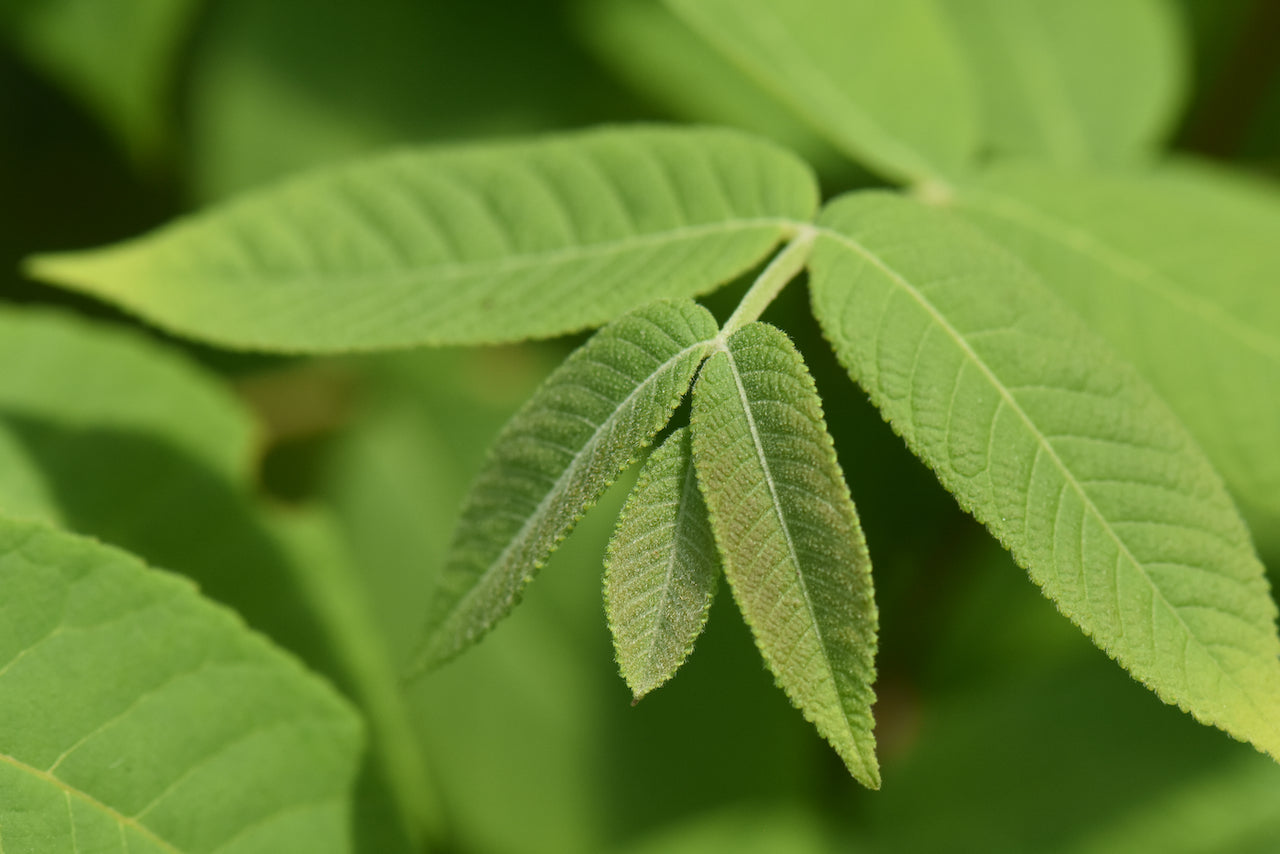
{"points": [[1001, 727]]}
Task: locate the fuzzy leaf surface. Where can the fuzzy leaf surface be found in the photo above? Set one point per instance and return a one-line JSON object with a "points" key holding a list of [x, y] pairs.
{"points": [[884, 82], [1089, 81], [141, 717], [1063, 451], [1177, 268], [788, 534], [554, 460], [466, 245], [661, 569]]}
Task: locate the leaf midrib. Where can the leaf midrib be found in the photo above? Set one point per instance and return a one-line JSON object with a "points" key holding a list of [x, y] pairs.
{"points": [[119, 817], [453, 270], [791, 549], [1122, 264], [1070, 479], [682, 513]]}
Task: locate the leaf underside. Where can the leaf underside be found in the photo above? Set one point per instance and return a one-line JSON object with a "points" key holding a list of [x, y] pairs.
{"points": [[141, 717], [1176, 267], [1058, 448], [661, 568], [788, 534], [473, 245], [556, 457]]}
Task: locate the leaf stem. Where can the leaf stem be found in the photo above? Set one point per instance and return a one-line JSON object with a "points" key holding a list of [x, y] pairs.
{"points": [[765, 289]]}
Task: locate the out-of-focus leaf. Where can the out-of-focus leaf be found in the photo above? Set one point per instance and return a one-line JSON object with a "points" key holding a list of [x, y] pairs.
{"points": [[187, 732], [1086, 81], [661, 569], [793, 551], [659, 56], [884, 82], [83, 374], [1059, 448], [469, 245], [766, 830], [290, 84], [119, 58], [1177, 268]]}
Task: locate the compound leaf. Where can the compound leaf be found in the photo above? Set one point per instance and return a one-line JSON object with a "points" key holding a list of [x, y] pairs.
{"points": [[1177, 268], [1082, 82], [1060, 449], [884, 82], [460, 246], [661, 569], [792, 546], [141, 717], [554, 460]]}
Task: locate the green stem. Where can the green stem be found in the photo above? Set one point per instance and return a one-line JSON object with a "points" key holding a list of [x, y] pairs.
{"points": [[765, 289]]}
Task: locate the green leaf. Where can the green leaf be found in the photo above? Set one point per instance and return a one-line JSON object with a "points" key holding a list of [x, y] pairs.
{"points": [[653, 50], [1177, 269], [88, 374], [555, 458], [884, 82], [788, 534], [139, 716], [661, 569], [1088, 81], [119, 58], [460, 246], [1060, 449]]}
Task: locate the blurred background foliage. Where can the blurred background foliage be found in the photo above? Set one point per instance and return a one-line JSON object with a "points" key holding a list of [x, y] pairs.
{"points": [[326, 503]]}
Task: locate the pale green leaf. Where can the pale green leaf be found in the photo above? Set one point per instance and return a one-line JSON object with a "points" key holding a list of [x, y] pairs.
{"points": [[661, 569], [653, 50], [119, 58], [141, 717], [1059, 448], [1085, 81], [460, 245], [555, 458], [84, 374], [1177, 268], [788, 534], [884, 82]]}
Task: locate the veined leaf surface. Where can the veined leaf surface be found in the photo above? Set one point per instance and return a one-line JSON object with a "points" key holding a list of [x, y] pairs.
{"points": [[793, 550], [1177, 269], [1086, 81], [460, 246], [661, 569], [140, 717], [555, 459], [884, 82], [1060, 449]]}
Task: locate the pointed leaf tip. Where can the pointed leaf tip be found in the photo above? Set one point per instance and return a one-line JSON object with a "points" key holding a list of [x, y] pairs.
{"points": [[787, 531]]}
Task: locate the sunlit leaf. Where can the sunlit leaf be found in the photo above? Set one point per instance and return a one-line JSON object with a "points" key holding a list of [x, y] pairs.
{"points": [[884, 82], [466, 245], [789, 536], [141, 717], [1085, 81], [556, 457], [661, 569], [1177, 268], [1059, 448]]}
